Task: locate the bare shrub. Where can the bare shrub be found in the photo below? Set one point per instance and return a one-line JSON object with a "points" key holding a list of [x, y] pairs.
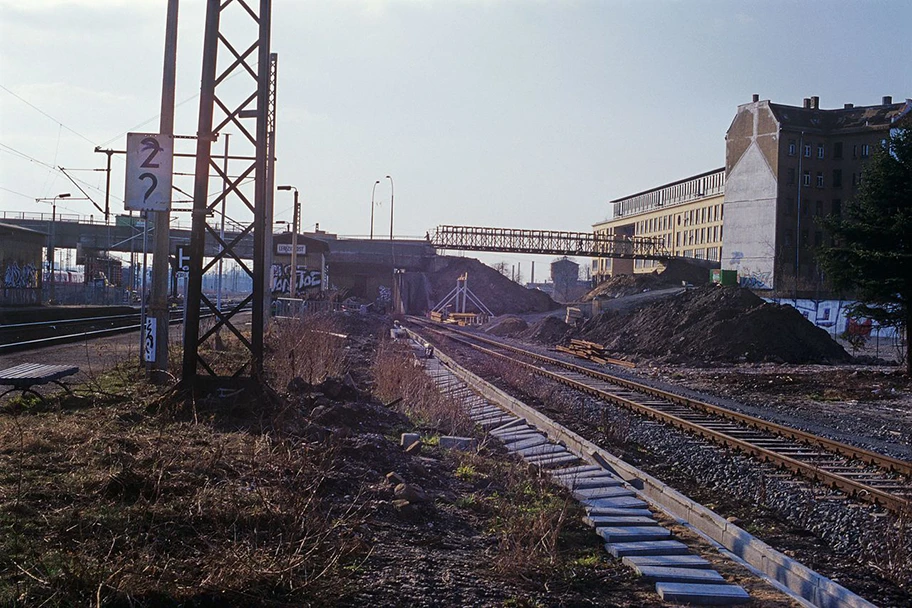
{"points": [[398, 375], [310, 347]]}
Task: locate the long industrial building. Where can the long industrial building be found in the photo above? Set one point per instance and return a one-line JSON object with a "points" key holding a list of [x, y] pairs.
{"points": [[786, 167]]}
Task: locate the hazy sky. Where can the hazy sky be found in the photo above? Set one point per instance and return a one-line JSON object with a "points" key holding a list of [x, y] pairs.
{"points": [[527, 113]]}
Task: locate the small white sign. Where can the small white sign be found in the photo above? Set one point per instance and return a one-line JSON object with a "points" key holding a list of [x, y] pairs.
{"points": [[285, 248], [148, 179], [183, 259], [149, 340]]}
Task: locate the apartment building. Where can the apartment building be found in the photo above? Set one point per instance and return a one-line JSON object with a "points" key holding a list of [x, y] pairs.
{"points": [[786, 169]]}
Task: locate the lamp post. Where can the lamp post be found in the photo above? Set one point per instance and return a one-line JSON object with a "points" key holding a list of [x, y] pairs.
{"points": [[50, 248], [373, 190], [294, 241], [392, 193]]}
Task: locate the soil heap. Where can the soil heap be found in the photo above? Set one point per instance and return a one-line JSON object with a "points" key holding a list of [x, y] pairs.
{"points": [[715, 324], [506, 327], [549, 331], [674, 273], [497, 292]]}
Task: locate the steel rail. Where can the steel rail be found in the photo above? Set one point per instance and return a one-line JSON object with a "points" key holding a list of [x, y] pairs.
{"points": [[889, 463], [812, 471]]}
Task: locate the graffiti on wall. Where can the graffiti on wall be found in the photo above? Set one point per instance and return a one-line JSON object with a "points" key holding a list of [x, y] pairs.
{"points": [[756, 279], [832, 315], [281, 279], [20, 277]]}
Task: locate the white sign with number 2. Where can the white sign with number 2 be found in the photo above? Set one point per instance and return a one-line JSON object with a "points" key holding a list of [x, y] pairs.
{"points": [[149, 162]]}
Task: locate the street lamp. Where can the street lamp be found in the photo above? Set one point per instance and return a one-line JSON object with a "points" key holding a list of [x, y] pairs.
{"points": [[294, 241], [50, 248], [392, 192], [373, 190]]}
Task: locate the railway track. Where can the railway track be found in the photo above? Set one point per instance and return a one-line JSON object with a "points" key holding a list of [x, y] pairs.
{"points": [[23, 336], [859, 473]]}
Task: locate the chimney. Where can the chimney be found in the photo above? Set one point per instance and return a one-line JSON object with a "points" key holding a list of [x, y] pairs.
{"points": [[849, 106], [815, 103], [887, 100], [755, 98], [807, 103]]}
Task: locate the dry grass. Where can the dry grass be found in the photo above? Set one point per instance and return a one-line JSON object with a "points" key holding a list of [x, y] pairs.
{"points": [[123, 505], [310, 347], [397, 375]]}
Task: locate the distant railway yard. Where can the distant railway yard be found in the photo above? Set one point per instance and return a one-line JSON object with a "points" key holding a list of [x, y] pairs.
{"points": [[587, 473]]}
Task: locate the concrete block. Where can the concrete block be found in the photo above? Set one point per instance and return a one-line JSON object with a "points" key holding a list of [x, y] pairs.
{"points": [[492, 422], [552, 460], [537, 450], [584, 494], [635, 534], [672, 574], [655, 547], [574, 483], [674, 561], [517, 424], [619, 502], [578, 470], [530, 442], [518, 435], [408, 439], [618, 520], [619, 511], [702, 595], [457, 443]]}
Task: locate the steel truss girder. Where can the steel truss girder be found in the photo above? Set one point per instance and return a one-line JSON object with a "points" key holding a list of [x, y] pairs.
{"points": [[548, 242], [259, 104]]}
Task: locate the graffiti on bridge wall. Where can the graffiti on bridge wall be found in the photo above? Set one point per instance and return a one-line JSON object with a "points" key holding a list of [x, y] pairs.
{"points": [[20, 277], [281, 278]]}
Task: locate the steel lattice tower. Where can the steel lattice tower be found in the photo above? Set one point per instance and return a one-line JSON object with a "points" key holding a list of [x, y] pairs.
{"points": [[246, 187]]}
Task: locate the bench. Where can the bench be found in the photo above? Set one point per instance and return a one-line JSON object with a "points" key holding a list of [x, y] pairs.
{"points": [[24, 376]]}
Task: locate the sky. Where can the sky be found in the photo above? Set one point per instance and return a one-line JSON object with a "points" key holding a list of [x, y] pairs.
{"points": [[515, 113]]}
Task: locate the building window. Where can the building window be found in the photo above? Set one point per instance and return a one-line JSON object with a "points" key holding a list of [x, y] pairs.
{"points": [[807, 150], [818, 210], [787, 237], [793, 148], [790, 179], [820, 150], [804, 238], [837, 178], [806, 178], [789, 206], [865, 151], [819, 179], [836, 208], [854, 180], [804, 208], [837, 150], [854, 150], [818, 238]]}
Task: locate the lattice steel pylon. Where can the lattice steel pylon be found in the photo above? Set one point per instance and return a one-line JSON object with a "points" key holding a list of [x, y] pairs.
{"points": [[203, 367]]}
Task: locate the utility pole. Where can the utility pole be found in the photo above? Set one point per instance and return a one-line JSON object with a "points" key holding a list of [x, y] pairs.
{"points": [[159, 301], [110, 153]]}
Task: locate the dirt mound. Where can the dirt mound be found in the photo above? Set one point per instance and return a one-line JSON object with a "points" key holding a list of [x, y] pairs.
{"points": [[674, 273], [712, 323], [549, 330], [506, 327], [497, 292]]}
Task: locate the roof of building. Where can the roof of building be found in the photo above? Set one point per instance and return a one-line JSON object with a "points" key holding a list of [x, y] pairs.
{"points": [[841, 119]]}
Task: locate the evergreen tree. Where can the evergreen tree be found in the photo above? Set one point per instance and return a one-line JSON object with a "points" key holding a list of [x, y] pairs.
{"points": [[871, 257]]}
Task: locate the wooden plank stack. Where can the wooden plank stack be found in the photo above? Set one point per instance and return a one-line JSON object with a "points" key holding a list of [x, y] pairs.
{"points": [[592, 351]]}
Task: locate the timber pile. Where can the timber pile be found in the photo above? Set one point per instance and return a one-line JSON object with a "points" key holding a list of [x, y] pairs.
{"points": [[592, 351]]}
